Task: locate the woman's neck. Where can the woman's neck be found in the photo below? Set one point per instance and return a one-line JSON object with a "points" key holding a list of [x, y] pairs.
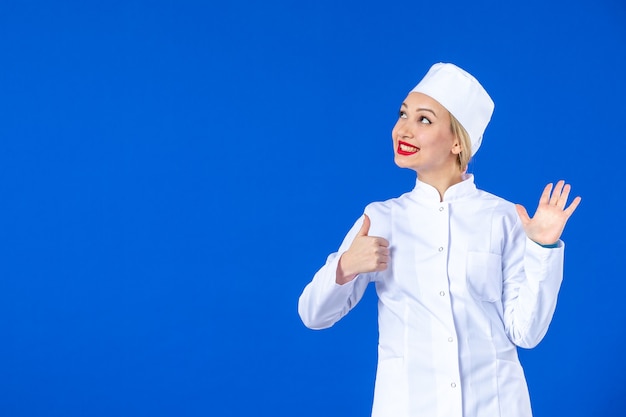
{"points": [[441, 182]]}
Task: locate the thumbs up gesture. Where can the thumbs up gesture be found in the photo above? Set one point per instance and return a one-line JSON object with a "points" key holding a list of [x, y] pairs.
{"points": [[366, 254]]}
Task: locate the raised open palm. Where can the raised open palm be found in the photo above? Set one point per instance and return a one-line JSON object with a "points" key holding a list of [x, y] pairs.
{"points": [[547, 225]]}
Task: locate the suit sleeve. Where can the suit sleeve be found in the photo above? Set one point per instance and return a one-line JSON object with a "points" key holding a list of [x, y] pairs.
{"points": [[324, 302], [532, 277]]}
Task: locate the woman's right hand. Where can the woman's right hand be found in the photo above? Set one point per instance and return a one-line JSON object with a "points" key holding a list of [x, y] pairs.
{"points": [[366, 254]]}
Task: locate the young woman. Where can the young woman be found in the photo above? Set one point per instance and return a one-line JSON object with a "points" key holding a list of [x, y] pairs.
{"points": [[462, 276]]}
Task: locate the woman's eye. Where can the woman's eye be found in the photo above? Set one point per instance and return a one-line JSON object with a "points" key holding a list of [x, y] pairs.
{"points": [[402, 114], [424, 120]]}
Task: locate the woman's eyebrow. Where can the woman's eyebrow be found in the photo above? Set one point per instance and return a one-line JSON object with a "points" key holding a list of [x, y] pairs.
{"points": [[428, 110], [421, 109]]}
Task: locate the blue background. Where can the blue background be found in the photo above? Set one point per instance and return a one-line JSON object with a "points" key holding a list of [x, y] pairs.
{"points": [[172, 174]]}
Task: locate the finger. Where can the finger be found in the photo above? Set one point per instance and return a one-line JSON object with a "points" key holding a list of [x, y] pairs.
{"points": [[572, 206], [556, 193], [545, 196], [381, 241], [382, 260], [522, 213], [383, 251], [564, 196], [365, 227]]}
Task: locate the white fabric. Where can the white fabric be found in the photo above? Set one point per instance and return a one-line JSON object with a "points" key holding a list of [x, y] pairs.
{"points": [[463, 288], [462, 95]]}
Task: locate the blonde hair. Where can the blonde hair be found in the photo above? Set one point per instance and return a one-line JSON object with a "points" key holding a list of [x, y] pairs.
{"points": [[466, 144]]}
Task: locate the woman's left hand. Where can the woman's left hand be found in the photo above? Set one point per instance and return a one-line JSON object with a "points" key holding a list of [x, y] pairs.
{"points": [[551, 216]]}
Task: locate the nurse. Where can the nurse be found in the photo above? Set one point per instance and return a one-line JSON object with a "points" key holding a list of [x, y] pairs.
{"points": [[463, 277]]}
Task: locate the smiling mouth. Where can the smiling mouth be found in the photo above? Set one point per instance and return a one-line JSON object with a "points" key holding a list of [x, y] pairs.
{"points": [[406, 149]]}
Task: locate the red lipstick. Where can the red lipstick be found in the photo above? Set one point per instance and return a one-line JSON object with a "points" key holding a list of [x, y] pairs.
{"points": [[406, 148]]}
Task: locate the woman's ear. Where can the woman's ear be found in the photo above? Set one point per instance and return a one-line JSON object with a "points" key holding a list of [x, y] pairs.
{"points": [[456, 147]]}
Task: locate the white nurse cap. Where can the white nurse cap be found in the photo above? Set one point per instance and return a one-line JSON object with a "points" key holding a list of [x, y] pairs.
{"points": [[462, 95]]}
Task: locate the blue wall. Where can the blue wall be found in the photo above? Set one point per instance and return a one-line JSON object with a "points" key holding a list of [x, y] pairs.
{"points": [[173, 173]]}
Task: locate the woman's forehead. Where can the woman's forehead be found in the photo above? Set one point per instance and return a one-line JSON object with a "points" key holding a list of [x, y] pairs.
{"points": [[416, 101]]}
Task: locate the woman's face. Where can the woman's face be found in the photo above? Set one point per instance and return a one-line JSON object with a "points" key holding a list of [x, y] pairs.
{"points": [[422, 138]]}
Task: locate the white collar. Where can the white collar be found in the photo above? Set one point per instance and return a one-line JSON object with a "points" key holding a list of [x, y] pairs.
{"points": [[456, 192]]}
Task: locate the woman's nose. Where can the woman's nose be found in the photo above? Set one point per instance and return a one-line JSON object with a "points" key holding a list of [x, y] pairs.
{"points": [[403, 130]]}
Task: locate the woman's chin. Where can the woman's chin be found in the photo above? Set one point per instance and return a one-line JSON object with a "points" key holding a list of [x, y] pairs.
{"points": [[401, 161]]}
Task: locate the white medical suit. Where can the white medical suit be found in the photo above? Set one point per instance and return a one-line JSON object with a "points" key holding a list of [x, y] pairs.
{"points": [[464, 287]]}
